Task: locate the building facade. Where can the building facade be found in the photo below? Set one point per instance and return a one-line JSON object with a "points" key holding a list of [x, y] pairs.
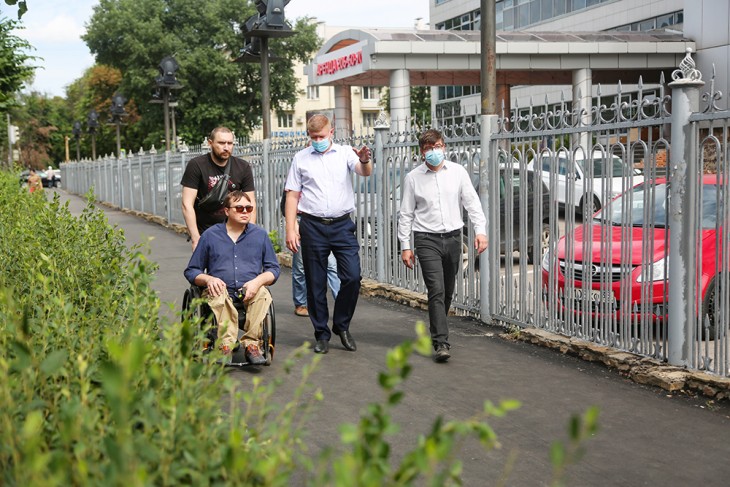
{"points": [[703, 21]]}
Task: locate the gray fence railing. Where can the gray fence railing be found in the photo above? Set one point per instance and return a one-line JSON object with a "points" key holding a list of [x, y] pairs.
{"points": [[647, 274]]}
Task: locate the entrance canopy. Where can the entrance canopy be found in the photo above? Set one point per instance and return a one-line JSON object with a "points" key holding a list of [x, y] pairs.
{"points": [[400, 59]]}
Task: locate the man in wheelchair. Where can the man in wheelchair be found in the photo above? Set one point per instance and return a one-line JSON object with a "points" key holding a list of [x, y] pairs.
{"points": [[236, 260]]}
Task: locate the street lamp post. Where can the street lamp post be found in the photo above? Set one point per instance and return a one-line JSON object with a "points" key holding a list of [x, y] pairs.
{"points": [[268, 22], [117, 111], [165, 82], [92, 123]]}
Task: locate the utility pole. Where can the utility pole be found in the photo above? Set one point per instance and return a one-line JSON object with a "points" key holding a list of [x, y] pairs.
{"points": [[10, 143]]}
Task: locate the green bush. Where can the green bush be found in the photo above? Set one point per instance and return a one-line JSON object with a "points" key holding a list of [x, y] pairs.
{"points": [[97, 391]]}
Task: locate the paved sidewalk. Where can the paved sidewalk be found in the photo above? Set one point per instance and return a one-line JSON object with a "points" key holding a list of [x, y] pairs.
{"points": [[647, 436]]}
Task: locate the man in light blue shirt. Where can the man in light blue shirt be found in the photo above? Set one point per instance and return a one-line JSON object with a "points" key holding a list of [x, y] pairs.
{"points": [[319, 186], [433, 196]]}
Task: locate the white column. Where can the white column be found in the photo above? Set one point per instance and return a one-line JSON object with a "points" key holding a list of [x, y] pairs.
{"points": [[343, 111], [400, 99], [582, 95]]}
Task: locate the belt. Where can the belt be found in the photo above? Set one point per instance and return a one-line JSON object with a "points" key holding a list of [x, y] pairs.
{"points": [[454, 233], [325, 220]]}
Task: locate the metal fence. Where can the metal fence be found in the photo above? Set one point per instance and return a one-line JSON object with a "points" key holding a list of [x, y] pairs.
{"points": [[647, 274]]}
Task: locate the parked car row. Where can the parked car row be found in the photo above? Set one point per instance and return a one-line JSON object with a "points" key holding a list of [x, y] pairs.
{"points": [[618, 261]]}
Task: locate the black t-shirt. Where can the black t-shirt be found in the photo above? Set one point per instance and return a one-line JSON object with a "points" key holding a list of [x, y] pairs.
{"points": [[201, 173]]}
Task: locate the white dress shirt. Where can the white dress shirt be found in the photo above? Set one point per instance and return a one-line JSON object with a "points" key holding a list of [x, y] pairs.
{"points": [[324, 180], [432, 201]]}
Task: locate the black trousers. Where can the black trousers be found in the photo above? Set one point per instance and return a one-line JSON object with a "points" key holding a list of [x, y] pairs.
{"points": [[439, 256], [317, 241]]}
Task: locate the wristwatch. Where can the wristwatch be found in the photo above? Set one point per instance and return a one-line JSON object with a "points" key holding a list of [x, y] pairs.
{"points": [[365, 162]]}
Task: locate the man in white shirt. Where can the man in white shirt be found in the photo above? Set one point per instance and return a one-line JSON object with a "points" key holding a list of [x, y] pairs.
{"points": [[319, 186], [433, 196]]}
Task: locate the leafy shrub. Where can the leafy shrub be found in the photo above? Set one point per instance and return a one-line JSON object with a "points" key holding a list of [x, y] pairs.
{"points": [[97, 391]]}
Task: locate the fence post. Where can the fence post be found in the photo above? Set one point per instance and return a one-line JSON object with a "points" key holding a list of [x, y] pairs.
{"points": [[488, 179], [268, 197], [381, 131], [683, 188], [168, 189]]}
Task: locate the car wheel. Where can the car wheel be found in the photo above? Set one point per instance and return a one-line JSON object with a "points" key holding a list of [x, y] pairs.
{"points": [[587, 212], [709, 310], [544, 245]]}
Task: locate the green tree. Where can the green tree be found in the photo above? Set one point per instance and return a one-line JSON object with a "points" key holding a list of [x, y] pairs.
{"points": [[420, 103], [14, 72], [94, 90], [134, 35], [39, 118], [22, 6]]}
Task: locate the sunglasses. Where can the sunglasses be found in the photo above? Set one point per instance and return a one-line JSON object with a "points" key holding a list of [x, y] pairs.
{"points": [[241, 208]]}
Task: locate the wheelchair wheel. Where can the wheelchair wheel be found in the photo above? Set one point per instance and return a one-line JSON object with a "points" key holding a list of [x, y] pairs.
{"points": [[201, 311], [269, 334]]}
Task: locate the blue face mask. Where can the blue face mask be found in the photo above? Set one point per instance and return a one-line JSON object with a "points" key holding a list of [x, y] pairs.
{"points": [[435, 157], [321, 145]]}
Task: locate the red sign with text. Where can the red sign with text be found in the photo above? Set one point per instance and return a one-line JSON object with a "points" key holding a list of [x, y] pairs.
{"points": [[334, 65]]}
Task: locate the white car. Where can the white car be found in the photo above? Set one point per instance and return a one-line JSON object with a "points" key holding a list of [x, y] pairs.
{"points": [[594, 181]]}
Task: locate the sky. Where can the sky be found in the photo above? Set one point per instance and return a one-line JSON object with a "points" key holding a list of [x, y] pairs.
{"points": [[55, 27]]}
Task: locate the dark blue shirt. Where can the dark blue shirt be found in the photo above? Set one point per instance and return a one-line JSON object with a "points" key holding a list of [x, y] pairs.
{"points": [[233, 262]]}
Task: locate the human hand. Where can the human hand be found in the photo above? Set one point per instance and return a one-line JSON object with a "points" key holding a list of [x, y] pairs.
{"points": [[249, 290], [216, 286], [408, 258], [292, 239], [480, 243], [363, 154]]}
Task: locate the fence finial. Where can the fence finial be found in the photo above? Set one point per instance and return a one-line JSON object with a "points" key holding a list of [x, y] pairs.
{"points": [[382, 120], [687, 72]]}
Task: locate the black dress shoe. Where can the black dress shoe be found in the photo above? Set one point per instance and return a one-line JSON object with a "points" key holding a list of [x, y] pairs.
{"points": [[347, 341], [322, 346]]}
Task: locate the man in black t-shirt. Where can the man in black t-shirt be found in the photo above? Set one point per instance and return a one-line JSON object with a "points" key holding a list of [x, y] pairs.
{"points": [[201, 174]]}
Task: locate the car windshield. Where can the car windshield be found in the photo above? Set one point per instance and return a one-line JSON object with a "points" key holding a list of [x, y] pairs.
{"points": [[648, 204], [612, 167]]}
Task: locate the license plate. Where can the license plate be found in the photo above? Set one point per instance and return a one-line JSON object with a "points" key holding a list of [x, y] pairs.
{"points": [[595, 296]]}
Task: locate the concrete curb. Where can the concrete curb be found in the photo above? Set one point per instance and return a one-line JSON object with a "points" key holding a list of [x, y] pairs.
{"points": [[641, 370]]}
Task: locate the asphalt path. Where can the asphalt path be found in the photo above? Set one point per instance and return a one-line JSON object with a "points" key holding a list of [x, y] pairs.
{"points": [[647, 437]]}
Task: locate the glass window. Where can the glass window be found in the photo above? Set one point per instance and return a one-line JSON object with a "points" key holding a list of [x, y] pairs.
{"points": [[546, 10], [508, 21], [577, 4], [499, 15], [286, 120], [371, 93], [647, 25], [559, 7], [679, 17], [312, 92], [369, 118], [535, 11], [522, 18], [664, 21]]}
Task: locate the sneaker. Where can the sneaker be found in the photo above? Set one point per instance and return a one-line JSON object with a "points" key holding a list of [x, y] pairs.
{"points": [[441, 353], [254, 356], [301, 311], [227, 353]]}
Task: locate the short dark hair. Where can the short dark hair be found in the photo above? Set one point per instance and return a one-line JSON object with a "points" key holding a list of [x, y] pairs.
{"points": [[235, 196], [430, 137], [225, 130]]}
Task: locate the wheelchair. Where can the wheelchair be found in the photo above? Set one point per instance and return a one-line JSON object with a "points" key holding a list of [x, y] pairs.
{"points": [[203, 311]]}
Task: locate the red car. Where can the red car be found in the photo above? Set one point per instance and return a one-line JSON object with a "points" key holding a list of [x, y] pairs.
{"points": [[615, 265]]}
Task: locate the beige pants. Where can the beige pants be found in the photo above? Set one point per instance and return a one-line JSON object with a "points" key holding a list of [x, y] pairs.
{"points": [[227, 316]]}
